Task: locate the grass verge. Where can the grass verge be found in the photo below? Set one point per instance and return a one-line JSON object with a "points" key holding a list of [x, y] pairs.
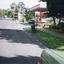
{"points": [[18, 22], [52, 40]]}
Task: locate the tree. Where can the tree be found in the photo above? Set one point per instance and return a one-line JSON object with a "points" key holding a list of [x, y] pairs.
{"points": [[14, 10], [60, 9], [9, 12], [14, 7], [21, 4], [5, 12], [55, 8], [21, 7], [1, 12], [28, 15]]}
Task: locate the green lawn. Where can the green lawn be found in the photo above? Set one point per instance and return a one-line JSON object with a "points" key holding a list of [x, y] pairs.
{"points": [[52, 40]]}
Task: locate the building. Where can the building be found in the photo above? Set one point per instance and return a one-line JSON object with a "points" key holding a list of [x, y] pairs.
{"points": [[38, 9], [17, 10]]}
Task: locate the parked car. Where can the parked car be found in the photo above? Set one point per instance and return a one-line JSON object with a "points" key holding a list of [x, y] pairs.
{"points": [[51, 56], [31, 21]]}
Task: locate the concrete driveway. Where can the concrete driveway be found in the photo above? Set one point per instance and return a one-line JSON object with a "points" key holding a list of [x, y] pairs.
{"points": [[15, 46]]}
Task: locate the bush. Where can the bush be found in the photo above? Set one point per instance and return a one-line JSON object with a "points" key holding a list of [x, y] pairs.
{"points": [[50, 26], [54, 27], [57, 27], [61, 25], [39, 24], [52, 23]]}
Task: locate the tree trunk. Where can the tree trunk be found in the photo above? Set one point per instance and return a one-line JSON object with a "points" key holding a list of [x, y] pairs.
{"points": [[54, 21], [59, 20]]}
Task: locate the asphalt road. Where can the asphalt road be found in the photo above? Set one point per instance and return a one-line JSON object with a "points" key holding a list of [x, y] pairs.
{"points": [[15, 46]]}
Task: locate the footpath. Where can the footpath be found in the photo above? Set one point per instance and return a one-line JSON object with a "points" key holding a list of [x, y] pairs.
{"points": [[61, 35]]}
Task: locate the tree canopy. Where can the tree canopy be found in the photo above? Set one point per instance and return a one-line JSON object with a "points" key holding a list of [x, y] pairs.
{"points": [[28, 15], [55, 8], [14, 7], [21, 4], [5, 12]]}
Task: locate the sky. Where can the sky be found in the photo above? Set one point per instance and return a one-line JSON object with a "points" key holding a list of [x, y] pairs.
{"points": [[5, 4]]}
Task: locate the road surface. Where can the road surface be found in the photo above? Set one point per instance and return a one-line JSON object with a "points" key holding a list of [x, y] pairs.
{"points": [[15, 46]]}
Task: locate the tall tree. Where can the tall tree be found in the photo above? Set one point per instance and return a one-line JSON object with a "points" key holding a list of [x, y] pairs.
{"points": [[14, 7], [21, 7], [55, 8]]}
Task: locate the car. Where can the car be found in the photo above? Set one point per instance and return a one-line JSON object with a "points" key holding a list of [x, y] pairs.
{"points": [[52, 56], [31, 21]]}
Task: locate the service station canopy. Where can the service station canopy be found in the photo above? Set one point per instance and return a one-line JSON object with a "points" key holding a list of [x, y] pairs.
{"points": [[38, 8]]}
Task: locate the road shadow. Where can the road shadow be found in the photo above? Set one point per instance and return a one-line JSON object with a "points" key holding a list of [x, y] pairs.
{"points": [[17, 36], [12, 35], [19, 60]]}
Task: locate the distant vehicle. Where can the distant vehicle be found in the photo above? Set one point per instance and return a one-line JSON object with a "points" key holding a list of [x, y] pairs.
{"points": [[31, 21], [51, 56]]}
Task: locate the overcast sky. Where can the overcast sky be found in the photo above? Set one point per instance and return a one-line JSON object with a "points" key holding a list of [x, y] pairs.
{"points": [[5, 4]]}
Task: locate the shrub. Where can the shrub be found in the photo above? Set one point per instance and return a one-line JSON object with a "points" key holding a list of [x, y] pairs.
{"points": [[39, 24], [61, 25], [50, 26]]}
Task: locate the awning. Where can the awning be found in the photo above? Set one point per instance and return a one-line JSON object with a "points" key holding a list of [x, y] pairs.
{"points": [[37, 8]]}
